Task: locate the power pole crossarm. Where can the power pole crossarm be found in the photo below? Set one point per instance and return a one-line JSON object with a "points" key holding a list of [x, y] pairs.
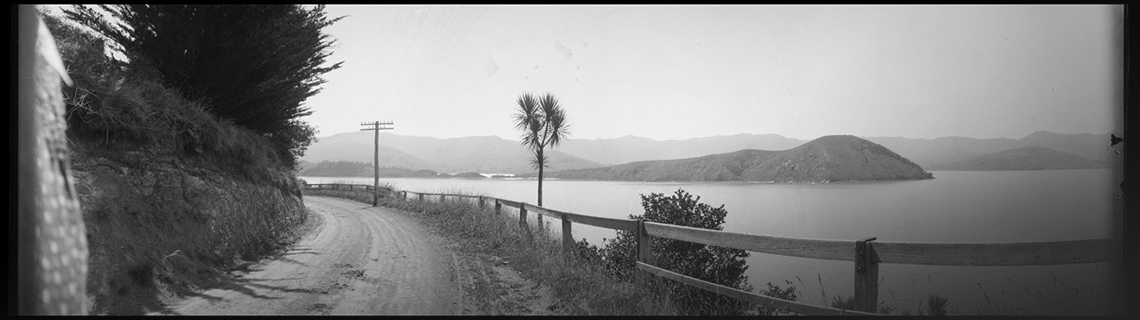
{"points": [[375, 126]]}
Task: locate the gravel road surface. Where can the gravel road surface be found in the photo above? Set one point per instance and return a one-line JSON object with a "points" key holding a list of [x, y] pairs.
{"points": [[359, 260]]}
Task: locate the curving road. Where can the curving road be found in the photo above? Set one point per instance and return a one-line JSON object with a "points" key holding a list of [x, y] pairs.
{"points": [[362, 260]]}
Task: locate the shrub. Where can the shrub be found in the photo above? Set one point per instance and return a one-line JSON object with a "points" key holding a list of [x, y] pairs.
{"points": [[719, 265], [775, 292]]}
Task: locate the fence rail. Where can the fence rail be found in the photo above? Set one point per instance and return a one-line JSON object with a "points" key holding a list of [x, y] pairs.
{"points": [[341, 186], [866, 254], [804, 248]]}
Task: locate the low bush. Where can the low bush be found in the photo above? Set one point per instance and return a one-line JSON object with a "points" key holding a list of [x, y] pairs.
{"points": [[724, 266]]}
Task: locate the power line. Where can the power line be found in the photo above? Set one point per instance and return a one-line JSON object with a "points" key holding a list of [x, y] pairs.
{"points": [[449, 50], [446, 44], [388, 89], [436, 46], [408, 74], [453, 43], [406, 50]]}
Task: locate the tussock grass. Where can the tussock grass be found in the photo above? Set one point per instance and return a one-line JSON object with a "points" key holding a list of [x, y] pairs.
{"points": [[580, 287]]}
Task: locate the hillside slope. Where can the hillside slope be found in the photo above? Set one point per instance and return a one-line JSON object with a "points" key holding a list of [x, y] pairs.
{"points": [[1028, 158], [172, 196], [827, 159]]}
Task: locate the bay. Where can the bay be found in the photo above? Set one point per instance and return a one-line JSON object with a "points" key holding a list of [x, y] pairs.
{"points": [[956, 206]]}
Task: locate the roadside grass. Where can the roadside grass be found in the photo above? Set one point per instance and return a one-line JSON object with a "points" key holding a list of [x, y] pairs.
{"points": [[1068, 302], [580, 287]]}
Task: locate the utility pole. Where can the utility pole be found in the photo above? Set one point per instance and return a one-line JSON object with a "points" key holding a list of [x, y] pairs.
{"points": [[376, 126]]}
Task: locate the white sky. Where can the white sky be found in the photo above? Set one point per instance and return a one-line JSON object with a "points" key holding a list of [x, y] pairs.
{"points": [[678, 72]]}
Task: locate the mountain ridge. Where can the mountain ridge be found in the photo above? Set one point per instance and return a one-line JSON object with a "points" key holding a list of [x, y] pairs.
{"points": [[463, 154], [496, 154], [1025, 158]]}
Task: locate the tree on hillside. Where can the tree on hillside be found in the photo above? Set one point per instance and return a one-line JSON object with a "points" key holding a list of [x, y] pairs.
{"points": [[719, 265], [543, 123], [252, 64]]}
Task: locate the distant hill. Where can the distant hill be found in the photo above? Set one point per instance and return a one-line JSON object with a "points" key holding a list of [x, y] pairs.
{"points": [[631, 149], [931, 152], [360, 169], [492, 154], [924, 152], [827, 159], [468, 154], [334, 149], [1027, 158]]}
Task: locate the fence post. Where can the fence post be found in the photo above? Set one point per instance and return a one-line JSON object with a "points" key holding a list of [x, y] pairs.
{"points": [[498, 207], [522, 219], [481, 204], [866, 276], [568, 244], [421, 197], [541, 226], [405, 195], [441, 198], [644, 255]]}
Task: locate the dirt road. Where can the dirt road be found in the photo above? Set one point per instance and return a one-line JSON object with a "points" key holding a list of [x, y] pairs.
{"points": [[376, 261], [360, 260]]}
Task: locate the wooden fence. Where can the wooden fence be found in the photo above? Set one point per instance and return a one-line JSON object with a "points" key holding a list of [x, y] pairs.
{"points": [[866, 254], [342, 186]]}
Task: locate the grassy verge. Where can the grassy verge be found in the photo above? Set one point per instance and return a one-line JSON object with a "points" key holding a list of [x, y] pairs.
{"points": [[580, 288]]}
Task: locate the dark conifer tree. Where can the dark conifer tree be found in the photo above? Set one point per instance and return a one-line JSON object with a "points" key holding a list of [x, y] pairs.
{"points": [[252, 64]]}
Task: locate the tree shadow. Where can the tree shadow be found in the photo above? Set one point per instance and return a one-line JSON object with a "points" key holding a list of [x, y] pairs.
{"points": [[248, 287], [301, 252], [253, 283], [288, 260]]}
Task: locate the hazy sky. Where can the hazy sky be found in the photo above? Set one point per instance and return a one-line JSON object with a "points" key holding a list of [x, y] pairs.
{"points": [[677, 72]]}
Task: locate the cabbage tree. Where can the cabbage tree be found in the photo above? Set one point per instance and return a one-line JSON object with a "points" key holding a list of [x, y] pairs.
{"points": [[543, 124]]}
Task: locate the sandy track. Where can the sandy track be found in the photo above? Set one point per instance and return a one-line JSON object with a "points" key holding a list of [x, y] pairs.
{"points": [[362, 260]]}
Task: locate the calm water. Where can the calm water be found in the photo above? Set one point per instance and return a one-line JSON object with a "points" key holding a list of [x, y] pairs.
{"points": [[1004, 206]]}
